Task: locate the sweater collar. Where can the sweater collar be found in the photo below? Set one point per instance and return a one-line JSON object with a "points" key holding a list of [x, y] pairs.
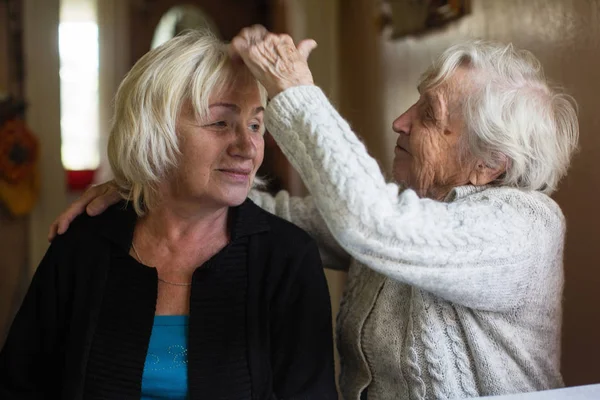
{"points": [[117, 223], [460, 192]]}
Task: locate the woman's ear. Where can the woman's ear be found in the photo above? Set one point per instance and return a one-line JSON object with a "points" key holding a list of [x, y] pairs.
{"points": [[483, 174]]}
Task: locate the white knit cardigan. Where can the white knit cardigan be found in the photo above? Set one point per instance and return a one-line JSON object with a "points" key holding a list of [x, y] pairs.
{"points": [[445, 300]]}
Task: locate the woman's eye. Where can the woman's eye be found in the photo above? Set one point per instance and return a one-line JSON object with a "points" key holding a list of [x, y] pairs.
{"points": [[255, 127], [429, 115], [218, 124]]}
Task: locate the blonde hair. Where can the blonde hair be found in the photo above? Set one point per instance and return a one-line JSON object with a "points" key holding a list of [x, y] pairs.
{"points": [[512, 114], [143, 146]]}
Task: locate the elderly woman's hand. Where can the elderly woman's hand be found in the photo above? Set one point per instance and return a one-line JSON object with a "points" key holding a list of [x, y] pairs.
{"points": [[274, 59], [94, 201]]}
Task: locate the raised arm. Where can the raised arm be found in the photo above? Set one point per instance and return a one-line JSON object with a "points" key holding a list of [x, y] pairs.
{"points": [[469, 252], [474, 252]]}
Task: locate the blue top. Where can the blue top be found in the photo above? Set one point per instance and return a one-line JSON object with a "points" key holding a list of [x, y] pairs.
{"points": [[165, 370]]}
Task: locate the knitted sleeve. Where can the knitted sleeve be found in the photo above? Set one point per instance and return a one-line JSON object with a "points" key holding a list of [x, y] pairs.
{"points": [[302, 212], [474, 253]]}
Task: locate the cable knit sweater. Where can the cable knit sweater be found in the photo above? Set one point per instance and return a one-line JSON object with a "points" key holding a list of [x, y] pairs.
{"points": [[452, 299]]}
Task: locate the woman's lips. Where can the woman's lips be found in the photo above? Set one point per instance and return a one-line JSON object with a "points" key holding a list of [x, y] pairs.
{"points": [[235, 174], [399, 149]]}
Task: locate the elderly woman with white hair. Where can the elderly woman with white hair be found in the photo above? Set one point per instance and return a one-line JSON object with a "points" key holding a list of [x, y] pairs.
{"points": [[456, 270], [186, 290]]}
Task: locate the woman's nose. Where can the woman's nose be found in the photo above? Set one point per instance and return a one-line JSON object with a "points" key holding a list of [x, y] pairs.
{"points": [[244, 145], [403, 123]]}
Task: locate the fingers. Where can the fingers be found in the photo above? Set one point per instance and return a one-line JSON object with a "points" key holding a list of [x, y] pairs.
{"points": [[99, 204], [96, 199], [274, 48], [254, 34], [245, 39], [265, 48], [305, 47], [274, 59], [52, 232], [60, 224], [238, 48]]}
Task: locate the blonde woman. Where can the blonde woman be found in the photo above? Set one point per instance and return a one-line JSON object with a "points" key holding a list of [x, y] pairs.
{"points": [[185, 289]]}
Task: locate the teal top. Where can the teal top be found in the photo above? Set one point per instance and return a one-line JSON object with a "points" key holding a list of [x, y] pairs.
{"points": [[165, 370]]}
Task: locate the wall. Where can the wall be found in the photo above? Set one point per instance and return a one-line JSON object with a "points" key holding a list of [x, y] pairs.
{"points": [[565, 35], [13, 231], [360, 75], [23, 241], [13, 258], [320, 20], [113, 31], [42, 91]]}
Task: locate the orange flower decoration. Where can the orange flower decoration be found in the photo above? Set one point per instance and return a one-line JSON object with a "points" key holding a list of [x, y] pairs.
{"points": [[18, 151]]}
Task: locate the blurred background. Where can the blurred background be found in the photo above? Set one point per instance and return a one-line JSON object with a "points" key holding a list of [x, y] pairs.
{"points": [[62, 60]]}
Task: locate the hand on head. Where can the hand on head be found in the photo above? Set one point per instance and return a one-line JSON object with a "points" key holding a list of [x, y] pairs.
{"points": [[273, 59]]}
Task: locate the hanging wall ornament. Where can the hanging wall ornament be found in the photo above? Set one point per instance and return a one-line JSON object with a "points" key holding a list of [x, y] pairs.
{"points": [[18, 151], [19, 179]]}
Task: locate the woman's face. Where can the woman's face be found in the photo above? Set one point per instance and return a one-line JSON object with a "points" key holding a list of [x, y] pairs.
{"points": [[427, 153], [220, 155]]}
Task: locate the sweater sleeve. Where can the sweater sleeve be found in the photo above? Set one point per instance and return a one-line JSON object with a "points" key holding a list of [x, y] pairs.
{"points": [[301, 211], [468, 252], [30, 361], [301, 332]]}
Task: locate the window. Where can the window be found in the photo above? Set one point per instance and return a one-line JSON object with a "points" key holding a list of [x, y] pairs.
{"points": [[78, 46]]}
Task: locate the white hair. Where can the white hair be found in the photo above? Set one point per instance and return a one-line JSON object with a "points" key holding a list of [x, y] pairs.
{"points": [[143, 146], [513, 117]]}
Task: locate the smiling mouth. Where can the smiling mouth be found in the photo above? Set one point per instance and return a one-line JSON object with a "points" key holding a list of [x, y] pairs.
{"points": [[239, 171], [239, 175]]}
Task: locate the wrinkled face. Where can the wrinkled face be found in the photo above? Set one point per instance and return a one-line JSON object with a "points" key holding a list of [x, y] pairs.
{"points": [[220, 155], [427, 152]]}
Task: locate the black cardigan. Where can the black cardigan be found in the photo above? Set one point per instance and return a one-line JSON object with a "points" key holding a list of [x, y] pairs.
{"points": [[259, 324]]}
